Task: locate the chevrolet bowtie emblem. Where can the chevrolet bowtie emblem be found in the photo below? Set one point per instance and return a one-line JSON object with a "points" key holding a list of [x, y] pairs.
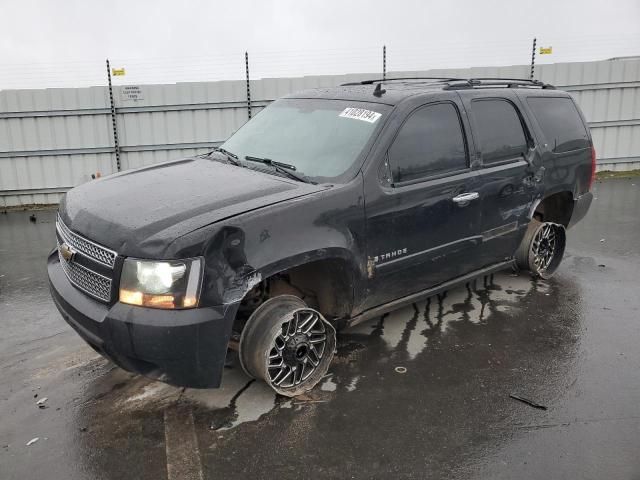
{"points": [[67, 251]]}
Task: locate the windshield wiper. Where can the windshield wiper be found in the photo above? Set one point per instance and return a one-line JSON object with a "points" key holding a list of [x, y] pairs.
{"points": [[231, 157], [284, 168]]}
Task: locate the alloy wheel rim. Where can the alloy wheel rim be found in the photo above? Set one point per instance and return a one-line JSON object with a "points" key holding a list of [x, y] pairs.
{"points": [[297, 350], [543, 247]]}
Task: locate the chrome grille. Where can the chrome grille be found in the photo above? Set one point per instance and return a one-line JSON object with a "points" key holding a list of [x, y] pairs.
{"points": [[93, 250], [81, 276], [88, 281]]}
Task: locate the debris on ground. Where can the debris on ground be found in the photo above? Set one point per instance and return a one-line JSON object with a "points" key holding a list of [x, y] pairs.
{"points": [[400, 370], [310, 401], [304, 398], [602, 240], [531, 403], [32, 441], [42, 401]]}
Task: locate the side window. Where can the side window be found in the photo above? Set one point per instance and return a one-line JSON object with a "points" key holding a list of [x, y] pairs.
{"points": [[499, 130], [560, 122], [429, 142]]}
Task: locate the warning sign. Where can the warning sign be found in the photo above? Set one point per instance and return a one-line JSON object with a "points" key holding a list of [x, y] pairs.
{"points": [[546, 50], [131, 93], [118, 72]]}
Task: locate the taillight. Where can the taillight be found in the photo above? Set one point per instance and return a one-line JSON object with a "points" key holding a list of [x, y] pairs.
{"points": [[593, 167]]}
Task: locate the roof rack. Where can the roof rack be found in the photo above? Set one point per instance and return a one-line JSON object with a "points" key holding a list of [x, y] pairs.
{"points": [[489, 82], [464, 83], [380, 80]]}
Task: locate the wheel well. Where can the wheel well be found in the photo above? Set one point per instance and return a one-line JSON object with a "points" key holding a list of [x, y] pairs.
{"points": [[326, 285], [556, 208]]}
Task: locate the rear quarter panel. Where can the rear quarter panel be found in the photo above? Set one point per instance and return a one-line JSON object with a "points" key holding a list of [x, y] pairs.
{"points": [[564, 172]]}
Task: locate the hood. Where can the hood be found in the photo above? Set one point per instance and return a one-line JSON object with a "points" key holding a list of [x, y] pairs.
{"points": [[142, 211]]}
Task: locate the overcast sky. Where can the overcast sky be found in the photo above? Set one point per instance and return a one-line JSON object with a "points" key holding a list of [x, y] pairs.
{"points": [[65, 42]]}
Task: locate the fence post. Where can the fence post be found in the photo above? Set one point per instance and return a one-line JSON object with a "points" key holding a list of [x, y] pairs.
{"points": [[384, 62], [116, 147], [533, 58], [246, 66]]}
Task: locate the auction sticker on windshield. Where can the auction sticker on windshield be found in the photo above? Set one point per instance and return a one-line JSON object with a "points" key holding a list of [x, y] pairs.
{"points": [[361, 114]]}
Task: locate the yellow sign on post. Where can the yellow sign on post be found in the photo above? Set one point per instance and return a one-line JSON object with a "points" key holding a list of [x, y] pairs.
{"points": [[546, 50], [117, 72]]}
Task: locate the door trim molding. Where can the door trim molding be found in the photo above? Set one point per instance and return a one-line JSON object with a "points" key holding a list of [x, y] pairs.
{"points": [[429, 292], [499, 231], [434, 252]]}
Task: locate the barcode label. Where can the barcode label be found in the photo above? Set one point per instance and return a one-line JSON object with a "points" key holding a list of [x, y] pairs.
{"points": [[361, 114]]}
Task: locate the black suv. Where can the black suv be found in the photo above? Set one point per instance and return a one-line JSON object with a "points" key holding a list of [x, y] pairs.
{"points": [[329, 207]]}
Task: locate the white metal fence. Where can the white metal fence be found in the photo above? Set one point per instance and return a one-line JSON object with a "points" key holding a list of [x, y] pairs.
{"points": [[54, 139]]}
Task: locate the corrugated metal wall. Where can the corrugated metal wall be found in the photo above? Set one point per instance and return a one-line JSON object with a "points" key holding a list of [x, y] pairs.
{"points": [[54, 139]]}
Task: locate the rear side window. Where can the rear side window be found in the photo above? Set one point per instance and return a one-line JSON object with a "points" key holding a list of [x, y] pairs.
{"points": [[499, 130], [429, 142], [560, 122]]}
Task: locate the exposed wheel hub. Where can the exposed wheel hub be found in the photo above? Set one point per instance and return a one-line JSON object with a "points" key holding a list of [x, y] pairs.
{"points": [[296, 349]]}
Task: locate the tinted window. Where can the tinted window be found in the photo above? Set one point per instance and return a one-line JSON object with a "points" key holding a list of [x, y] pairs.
{"points": [[560, 122], [499, 130], [429, 142]]}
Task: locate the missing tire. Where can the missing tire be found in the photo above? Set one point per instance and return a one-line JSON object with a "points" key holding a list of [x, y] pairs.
{"points": [[542, 248], [288, 345]]}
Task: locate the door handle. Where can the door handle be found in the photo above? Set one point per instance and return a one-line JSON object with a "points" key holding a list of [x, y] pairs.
{"points": [[465, 198]]}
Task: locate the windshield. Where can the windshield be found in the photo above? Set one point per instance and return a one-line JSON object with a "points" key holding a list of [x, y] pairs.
{"points": [[319, 137]]}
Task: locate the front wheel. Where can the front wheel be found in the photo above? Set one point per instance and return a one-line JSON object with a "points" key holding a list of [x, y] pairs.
{"points": [[288, 345], [542, 248]]}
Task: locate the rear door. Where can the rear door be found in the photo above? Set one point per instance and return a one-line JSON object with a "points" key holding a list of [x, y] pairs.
{"points": [[510, 175], [422, 211]]}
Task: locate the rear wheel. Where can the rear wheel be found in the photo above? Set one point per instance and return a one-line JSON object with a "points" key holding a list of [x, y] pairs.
{"points": [[287, 344], [542, 248]]}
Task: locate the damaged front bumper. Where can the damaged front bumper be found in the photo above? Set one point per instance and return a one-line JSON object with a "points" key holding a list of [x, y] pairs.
{"points": [[179, 347]]}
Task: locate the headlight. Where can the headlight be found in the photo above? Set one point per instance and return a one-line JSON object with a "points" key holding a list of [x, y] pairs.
{"points": [[161, 284]]}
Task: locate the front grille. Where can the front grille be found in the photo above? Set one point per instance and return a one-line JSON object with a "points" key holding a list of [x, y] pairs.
{"points": [[90, 282], [83, 276], [91, 249]]}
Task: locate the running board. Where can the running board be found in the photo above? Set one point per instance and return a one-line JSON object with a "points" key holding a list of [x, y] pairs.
{"points": [[429, 292]]}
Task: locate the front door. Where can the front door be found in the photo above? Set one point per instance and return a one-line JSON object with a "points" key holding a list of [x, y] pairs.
{"points": [[423, 215]]}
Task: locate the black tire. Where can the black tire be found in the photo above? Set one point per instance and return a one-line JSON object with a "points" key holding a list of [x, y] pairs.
{"points": [[542, 248], [288, 345]]}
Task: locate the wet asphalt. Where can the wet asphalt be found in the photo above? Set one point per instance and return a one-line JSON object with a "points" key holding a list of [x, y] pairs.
{"points": [[423, 392]]}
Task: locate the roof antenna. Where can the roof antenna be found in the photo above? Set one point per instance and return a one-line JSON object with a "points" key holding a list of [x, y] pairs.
{"points": [[378, 91]]}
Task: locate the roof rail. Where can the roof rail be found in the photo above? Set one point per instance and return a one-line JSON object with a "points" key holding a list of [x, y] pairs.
{"points": [[489, 82], [380, 80]]}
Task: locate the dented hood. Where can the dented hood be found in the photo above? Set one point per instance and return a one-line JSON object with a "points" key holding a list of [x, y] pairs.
{"points": [[140, 212]]}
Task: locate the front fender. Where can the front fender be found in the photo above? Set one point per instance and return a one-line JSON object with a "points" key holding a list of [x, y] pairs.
{"points": [[244, 250]]}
